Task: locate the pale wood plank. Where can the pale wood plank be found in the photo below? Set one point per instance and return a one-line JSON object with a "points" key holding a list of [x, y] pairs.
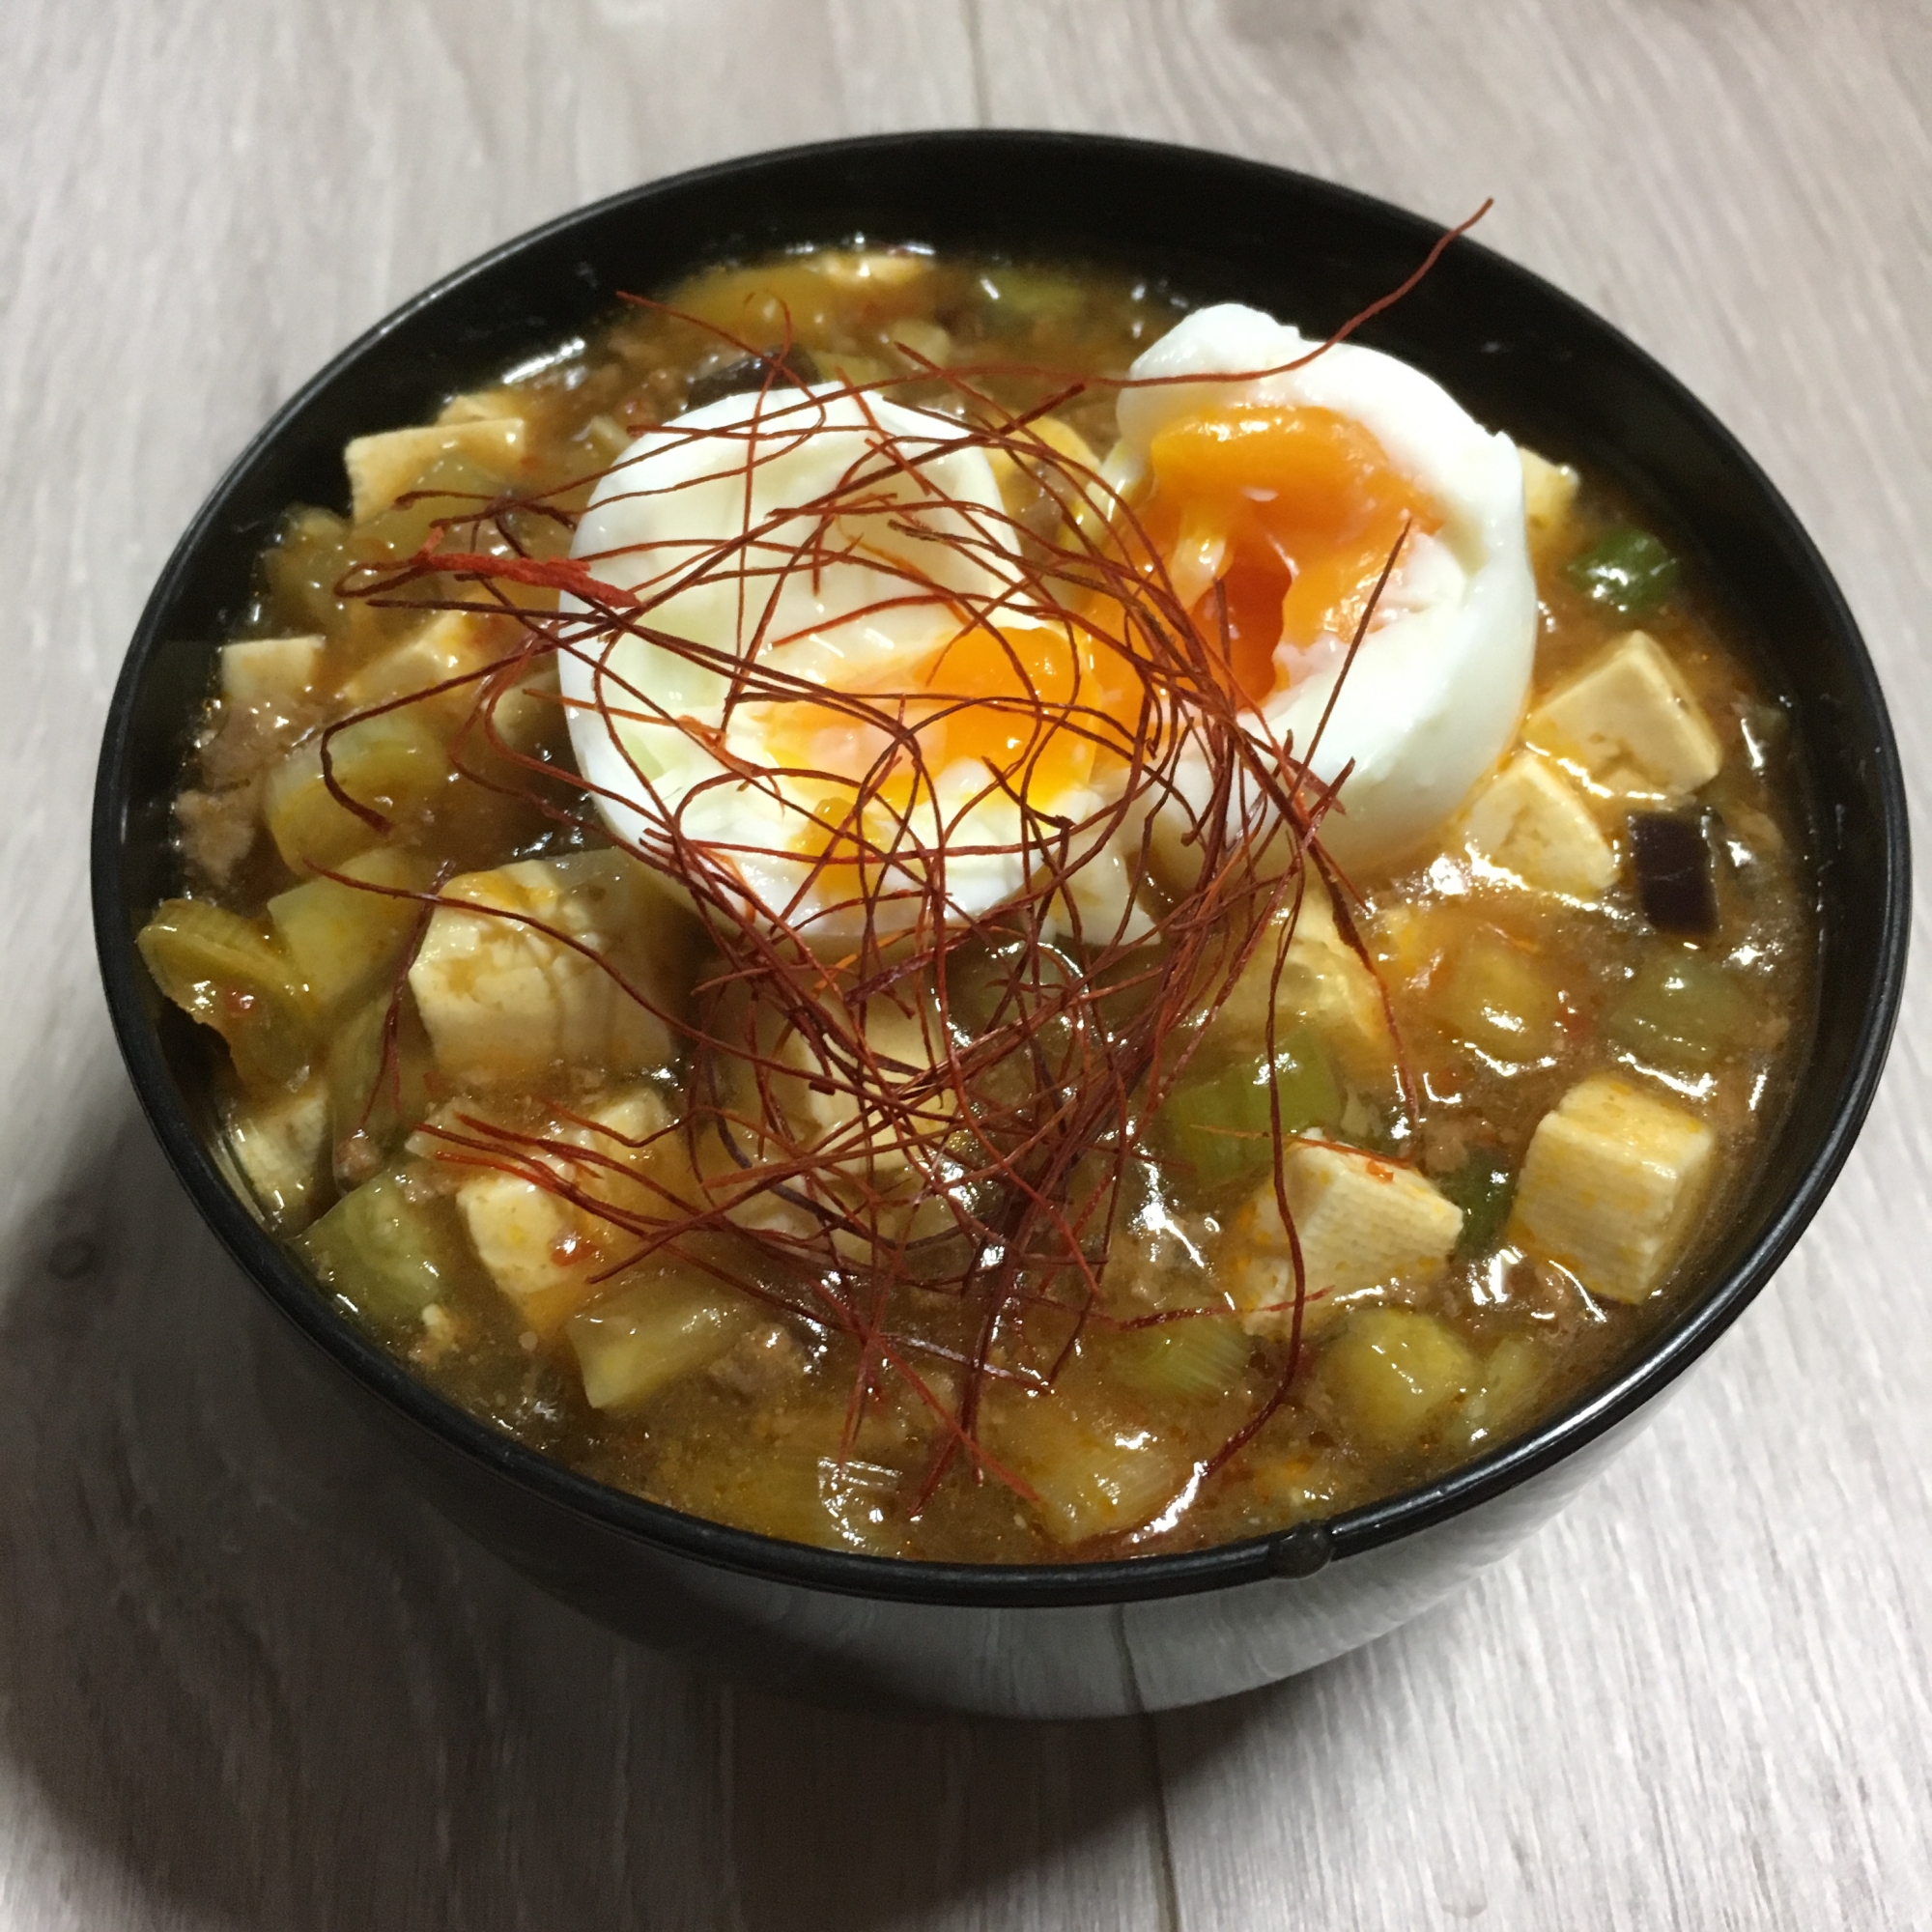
{"points": [[1701, 1698]]}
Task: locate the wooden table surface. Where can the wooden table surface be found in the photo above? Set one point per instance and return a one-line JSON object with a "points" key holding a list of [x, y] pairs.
{"points": [[244, 1682]]}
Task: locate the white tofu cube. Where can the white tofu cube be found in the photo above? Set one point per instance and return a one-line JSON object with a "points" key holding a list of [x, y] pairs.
{"points": [[920, 1101], [1534, 823], [541, 1249], [480, 406], [1611, 1186], [385, 466], [1628, 719], [507, 1003], [1365, 1225], [1549, 491], [280, 1146], [449, 644], [270, 670]]}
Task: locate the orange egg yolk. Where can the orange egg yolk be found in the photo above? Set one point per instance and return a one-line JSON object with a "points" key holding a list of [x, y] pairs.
{"points": [[1040, 704], [1292, 511]]}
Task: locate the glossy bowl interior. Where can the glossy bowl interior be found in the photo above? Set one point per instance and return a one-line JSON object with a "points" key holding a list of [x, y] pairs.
{"points": [[1514, 349]]}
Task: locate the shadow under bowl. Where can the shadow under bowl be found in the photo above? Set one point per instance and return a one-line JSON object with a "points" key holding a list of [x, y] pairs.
{"points": [[1152, 1631]]}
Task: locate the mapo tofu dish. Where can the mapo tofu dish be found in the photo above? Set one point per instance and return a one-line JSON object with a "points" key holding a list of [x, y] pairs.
{"points": [[952, 909]]}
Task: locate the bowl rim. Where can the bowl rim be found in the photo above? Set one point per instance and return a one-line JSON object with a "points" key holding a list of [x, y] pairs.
{"points": [[1294, 1552]]}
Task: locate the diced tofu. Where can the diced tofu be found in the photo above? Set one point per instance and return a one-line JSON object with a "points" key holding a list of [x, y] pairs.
{"points": [[1611, 1186], [1549, 489], [1364, 1224], [508, 1005], [279, 1145], [1535, 824], [480, 406], [385, 466], [460, 644], [901, 1044], [448, 645], [1628, 719], [542, 1250], [270, 670], [1323, 982]]}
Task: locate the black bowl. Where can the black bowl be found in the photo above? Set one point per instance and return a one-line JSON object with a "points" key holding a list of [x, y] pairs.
{"points": [[1157, 1630]]}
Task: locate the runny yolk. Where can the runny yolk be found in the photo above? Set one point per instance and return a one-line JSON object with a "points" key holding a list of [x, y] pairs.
{"points": [[1040, 704], [1294, 511], [1040, 699]]}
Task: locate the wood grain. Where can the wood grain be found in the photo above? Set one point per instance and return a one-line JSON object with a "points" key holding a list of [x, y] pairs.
{"points": [[243, 1681]]}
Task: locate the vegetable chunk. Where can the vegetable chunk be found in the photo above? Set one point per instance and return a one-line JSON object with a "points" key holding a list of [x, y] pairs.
{"points": [[344, 943], [1364, 1225], [1323, 982], [510, 1001], [393, 764], [385, 1251], [1392, 1372], [1222, 1123], [227, 973], [1628, 571], [1499, 998], [646, 1337], [1631, 721], [1611, 1186], [1092, 1471]]}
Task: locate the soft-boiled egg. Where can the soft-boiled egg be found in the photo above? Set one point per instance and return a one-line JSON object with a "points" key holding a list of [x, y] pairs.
{"points": [[842, 684], [1291, 491], [842, 546]]}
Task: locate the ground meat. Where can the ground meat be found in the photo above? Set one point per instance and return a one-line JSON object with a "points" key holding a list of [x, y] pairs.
{"points": [[763, 1361], [241, 745], [1445, 1145], [249, 739], [217, 829]]}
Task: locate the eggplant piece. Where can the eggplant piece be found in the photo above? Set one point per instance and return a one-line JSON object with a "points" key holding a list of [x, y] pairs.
{"points": [[1672, 860]]}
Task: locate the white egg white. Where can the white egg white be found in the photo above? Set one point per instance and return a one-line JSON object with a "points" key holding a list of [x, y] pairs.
{"points": [[1436, 691], [848, 621]]}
